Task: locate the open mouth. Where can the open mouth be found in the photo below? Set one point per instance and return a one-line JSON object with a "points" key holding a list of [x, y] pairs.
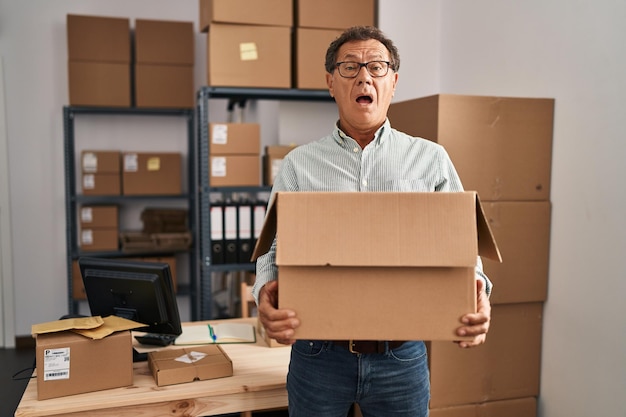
{"points": [[364, 99]]}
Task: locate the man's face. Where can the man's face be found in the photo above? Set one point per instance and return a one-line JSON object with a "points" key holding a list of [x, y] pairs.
{"points": [[363, 101]]}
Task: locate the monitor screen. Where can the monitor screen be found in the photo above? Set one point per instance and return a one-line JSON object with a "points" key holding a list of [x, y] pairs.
{"points": [[139, 291]]}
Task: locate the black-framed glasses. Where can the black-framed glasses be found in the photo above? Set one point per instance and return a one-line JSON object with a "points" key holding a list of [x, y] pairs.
{"points": [[350, 69]]}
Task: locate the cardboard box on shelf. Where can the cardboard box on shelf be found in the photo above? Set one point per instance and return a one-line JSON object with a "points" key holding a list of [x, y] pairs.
{"points": [[310, 51], [99, 84], [500, 146], [234, 139], [164, 86], [400, 265], [151, 173], [519, 407], [234, 170], [101, 184], [164, 42], [248, 56], [98, 217], [69, 363], [98, 38], [345, 13], [522, 229], [101, 162], [249, 12], [99, 239], [272, 159], [507, 366], [177, 366]]}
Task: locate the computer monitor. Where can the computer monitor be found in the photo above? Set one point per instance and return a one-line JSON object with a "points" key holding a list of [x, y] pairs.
{"points": [[139, 291]]}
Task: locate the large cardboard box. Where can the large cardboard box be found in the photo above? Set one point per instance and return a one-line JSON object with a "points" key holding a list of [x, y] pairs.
{"points": [[249, 12], [520, 407], [345, 13], [177, 366], [151, 173], [98, 38], [101, 162], [506, 366], [500, 146], [377, 266], [98, 217], [101, 184], [310, 53], [234, 171], [234, 139], [99, 84], [249, 56], [522, 230], [164, 42], [68, 363], [164, 86], [272, 160]]}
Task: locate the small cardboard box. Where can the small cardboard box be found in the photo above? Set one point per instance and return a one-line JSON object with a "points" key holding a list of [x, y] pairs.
{"points": [[69, 363], [100, 162], [235, 170], [249, 56], [310, 52], [500, 146], [164, 86], [99, 239], [102, 184], [151, 173], [98, 38], [248, 12], [377, 265], [345, 13], [99, 84], [164, 42], [272, 160], [198, 363], [234, 139], [520, 407], [507, 366], [98, 217]]}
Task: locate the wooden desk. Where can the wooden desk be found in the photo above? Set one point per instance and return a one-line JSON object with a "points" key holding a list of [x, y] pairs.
{"points": [[258, 383]]}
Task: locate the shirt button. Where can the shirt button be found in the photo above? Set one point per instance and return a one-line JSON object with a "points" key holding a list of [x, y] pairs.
{"points": [[355, 150], [364, 182]]}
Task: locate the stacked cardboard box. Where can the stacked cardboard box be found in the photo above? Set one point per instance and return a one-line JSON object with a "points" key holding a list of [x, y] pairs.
{"points": [[234, 150], [501, 148], [315, 31], [164, 60], [151, 173], [249, 42], [100, 172], [99, 56], [98, 228]]}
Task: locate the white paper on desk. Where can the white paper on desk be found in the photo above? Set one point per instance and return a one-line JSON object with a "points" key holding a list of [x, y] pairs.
{"points": [[199, 334]]}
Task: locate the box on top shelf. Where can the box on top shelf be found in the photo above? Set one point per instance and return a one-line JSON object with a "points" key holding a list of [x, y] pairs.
{"points": [[105, 84], [249, 56], [506, 366], [234, 139], [98, 38], [500, 146], [151, 173], [522, 229], [164, 42], [417, 280], [310, 51], [249, 12], [345, 13], [162, 86]]}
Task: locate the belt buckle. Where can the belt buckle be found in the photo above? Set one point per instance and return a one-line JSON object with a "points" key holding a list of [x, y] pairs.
{"points": [[351, 347]]}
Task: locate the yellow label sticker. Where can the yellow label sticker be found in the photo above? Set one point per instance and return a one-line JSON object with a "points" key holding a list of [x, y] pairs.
{"points": [[154, 163], [248, 51]]}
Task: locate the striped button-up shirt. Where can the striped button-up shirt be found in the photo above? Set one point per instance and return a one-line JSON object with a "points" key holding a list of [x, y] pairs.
{"points": [[393, 161]]}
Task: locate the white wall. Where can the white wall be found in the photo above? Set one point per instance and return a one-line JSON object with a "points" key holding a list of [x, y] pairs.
{"points": [[567, 50]]}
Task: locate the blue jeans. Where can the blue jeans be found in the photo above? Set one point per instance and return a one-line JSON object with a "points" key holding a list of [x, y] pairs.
{"points": [[325, 379]]}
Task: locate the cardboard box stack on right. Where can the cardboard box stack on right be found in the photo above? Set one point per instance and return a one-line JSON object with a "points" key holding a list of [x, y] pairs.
{"points": [[502, 148]]}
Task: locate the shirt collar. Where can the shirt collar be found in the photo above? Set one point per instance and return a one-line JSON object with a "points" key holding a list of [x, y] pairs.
{"points": [[379, 137]]}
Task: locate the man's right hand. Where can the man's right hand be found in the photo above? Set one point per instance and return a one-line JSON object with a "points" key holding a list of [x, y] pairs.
{"points": [[280, 324]]}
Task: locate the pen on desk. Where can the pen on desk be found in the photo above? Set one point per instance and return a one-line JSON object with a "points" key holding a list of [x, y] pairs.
{"points": [[213, 335]]}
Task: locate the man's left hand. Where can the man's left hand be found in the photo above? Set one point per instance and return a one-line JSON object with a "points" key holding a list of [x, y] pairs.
{"points": [[476, 324]]}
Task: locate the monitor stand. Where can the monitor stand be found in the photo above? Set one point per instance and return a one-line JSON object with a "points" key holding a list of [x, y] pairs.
{"points": [[139, 357]]}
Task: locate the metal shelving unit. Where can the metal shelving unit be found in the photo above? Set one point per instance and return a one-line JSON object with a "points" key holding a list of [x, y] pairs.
{"points": [[72, 199], [234, 95]]}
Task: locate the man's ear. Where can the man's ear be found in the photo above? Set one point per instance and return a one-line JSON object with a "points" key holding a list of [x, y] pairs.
{"points": [[329, 82]]}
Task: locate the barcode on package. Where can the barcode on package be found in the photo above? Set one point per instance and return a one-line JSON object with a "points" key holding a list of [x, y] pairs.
{"points": [[56, 364]]}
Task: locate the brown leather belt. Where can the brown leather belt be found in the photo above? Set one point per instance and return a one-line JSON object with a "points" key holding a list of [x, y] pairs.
{"points": [[368, 346]]}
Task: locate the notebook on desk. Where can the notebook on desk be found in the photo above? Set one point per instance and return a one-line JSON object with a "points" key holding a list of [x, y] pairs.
{"points": [[220, 333]]}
